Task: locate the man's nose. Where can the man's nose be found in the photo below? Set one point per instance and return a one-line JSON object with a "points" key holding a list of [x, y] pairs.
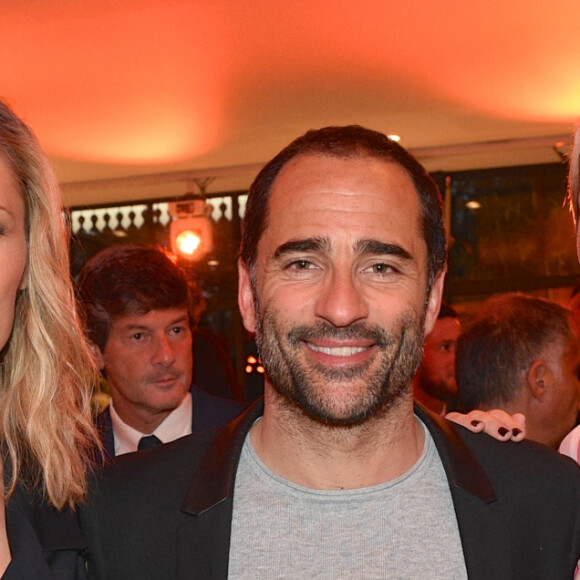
{"points": [[163, 352], [341, 301]]}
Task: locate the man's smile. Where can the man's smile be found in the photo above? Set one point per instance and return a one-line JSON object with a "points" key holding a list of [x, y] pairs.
{"points": [[337, 350]]}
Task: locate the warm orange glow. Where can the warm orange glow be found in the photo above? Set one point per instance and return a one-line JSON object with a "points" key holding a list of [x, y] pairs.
{"points": [[188, 242], [191, 237], [252, 359], [225, 83], [122, 83]]}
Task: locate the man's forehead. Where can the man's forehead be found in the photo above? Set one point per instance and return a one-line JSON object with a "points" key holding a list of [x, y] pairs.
{"points": [[348, 193], [324, 168], [448, 322], [145, 318], [447, 328]]}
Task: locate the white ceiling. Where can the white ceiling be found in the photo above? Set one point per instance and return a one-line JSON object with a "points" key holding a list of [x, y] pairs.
{"points": [[153, 87]]}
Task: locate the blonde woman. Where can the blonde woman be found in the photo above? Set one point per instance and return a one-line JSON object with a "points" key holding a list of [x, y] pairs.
{"points": [[47, 439]]}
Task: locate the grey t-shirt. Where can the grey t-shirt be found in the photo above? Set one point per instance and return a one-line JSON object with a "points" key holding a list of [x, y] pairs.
{"points": [[403, 529]]}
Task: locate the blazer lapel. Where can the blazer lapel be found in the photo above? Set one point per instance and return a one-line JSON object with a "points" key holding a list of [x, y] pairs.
{"points": [[475, 502], [203, 542], [104, 425]]}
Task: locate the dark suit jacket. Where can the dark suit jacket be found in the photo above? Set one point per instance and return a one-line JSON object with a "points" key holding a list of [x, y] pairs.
{"points": [[45, 544], [517, 507], [209, 411]]}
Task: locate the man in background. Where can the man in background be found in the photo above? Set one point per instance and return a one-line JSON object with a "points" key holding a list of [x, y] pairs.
{"points": [[522, 354], [571, 444], [434, 383], [140, 311]]}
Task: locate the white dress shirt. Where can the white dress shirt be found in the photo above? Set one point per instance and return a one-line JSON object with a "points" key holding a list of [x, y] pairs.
{"points": [[177, 424]]}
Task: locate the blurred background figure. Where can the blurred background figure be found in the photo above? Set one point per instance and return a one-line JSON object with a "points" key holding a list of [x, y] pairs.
{"points": [[140, 311], [521, 354], [434, 383], [575, 301], [213, 368], [46, 375], [571, 444]]}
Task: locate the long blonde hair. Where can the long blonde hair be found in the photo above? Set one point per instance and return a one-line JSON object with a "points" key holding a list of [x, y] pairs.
{"points": [[47, 372]]}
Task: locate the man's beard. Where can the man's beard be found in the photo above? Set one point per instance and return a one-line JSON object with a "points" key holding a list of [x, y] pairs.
{"points": [[303, 383]]}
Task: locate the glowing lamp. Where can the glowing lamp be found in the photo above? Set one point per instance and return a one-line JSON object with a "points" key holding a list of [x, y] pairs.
{"points": [[188, 242], [191, 232]]}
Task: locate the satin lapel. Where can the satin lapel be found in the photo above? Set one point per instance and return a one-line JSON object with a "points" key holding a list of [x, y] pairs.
{"points": [[479, 515], [203, 542], [214, 478]]}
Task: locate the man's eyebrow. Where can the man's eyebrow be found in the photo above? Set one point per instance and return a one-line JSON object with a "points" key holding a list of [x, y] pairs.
{"points": [[145, 326], [306, 245], [181, 320], [374, 247], [134, 326]]}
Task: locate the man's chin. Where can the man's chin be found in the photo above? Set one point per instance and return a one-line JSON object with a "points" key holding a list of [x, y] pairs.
{"points": [[337, 411], [167, 400], [344, 418]]}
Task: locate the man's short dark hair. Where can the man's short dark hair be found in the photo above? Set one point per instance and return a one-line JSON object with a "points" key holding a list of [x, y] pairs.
{"points": [[347, 142], [132, 279], [447, 311], [498, 347]]}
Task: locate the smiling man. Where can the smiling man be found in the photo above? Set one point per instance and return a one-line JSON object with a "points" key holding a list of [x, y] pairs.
{"points": [[336, 474]]}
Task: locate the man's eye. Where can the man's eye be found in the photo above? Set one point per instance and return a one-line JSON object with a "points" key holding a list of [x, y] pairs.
{"points": [[381, 268], [301, 265], [137, 336], [178, 329]]}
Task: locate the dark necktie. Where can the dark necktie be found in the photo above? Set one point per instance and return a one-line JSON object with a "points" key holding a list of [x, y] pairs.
{"points": [[148, 442]]}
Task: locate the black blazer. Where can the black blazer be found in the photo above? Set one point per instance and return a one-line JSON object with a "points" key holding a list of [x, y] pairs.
{"points": [[517, 506], [45, 544], [209, 411]]}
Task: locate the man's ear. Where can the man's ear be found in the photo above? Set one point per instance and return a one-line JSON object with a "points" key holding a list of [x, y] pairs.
{"points": [[246, 298], [434, 302], [539, 379], [97, 355]]}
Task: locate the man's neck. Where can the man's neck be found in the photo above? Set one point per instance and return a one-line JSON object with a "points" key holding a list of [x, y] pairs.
{"points": [[317, 456]]}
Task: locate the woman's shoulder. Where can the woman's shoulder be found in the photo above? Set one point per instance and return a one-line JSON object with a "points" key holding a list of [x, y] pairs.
{"points": [[44, 542]]}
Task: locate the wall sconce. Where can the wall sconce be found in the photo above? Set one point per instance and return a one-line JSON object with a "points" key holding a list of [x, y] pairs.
{"points": [[191, 229]]}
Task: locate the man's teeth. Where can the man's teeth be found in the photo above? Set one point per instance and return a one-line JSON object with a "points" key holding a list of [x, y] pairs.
{"points": [[338, 350]]}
